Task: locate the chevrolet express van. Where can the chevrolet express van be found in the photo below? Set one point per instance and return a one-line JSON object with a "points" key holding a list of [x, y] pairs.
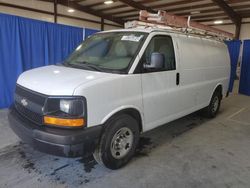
{"points": [[115, 86]]}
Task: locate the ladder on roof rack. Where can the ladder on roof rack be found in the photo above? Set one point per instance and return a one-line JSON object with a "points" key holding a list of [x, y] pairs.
{"points": [[164, 20]]}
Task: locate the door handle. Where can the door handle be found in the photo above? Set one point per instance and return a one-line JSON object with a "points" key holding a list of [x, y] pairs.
{"points": [[177, 78]]}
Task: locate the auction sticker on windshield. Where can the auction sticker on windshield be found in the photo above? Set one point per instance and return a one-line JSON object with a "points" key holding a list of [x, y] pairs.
{"points": [[132, 38]]}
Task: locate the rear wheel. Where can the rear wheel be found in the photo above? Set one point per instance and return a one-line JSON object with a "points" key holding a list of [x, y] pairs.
{"points": [[118, 142], [212, 109]]}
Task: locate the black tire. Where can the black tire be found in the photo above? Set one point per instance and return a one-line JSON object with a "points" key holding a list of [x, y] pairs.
{"points": [[212, 109], [105, 152]]}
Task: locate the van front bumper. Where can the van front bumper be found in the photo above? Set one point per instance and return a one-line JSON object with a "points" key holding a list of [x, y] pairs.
{"points": [[55, 141]]}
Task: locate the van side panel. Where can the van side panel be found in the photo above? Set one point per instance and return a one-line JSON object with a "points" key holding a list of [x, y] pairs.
{"points": [[219, 60], [204, 65], [105, 97]]}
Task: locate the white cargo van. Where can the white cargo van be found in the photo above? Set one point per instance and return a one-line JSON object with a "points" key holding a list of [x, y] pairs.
{"points": [[116, 85]]}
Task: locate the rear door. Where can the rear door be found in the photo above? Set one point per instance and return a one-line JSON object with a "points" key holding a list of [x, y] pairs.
{"points": [[160, 88]]}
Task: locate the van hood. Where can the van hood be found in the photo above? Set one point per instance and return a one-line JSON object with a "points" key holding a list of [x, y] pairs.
{"points": [[58, 80]]}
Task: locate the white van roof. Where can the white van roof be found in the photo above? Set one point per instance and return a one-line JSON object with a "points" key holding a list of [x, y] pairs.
{"points": [[168, 31], [150, 30], [146, 30]]}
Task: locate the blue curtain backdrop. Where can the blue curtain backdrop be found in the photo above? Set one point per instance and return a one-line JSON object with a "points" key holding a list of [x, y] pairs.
{"points": [[89, 32], [244, 87], [234, 51], [26, 44]]}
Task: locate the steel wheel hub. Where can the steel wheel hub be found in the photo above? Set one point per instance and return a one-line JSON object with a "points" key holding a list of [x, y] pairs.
{"points": [[215, 104], [121, 143]]}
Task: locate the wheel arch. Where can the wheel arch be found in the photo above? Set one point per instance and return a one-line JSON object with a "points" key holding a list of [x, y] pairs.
{"points": [[219, 88], [130, 110]]}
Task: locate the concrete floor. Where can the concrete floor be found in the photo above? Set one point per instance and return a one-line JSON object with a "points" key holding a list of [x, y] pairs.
{"points": [[189, 152]]}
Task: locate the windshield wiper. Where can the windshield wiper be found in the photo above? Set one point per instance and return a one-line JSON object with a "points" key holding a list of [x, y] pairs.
{"points": [[88, 66], [94, 67]]}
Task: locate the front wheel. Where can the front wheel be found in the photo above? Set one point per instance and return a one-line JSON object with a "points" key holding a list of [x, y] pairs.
{"points": [[118, 142], [212, 109]]}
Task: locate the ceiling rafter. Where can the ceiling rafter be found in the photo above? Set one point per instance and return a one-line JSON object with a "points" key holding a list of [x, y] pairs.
{"points": [[94, 4], [236, 18], [228, 23], [77, 1], [113, 7], [187, 7], [90, 11], [51, 13], [79, 7], [172, 9], [180, 9], [155, 6], [225, 18], [137, 5], [183, 2], [117, 14], [208, 12], [205, 16], [244, 14], [177, 3]]}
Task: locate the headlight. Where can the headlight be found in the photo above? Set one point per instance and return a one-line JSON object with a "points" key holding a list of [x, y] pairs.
{"points": [[72, 107], [66, 111]]}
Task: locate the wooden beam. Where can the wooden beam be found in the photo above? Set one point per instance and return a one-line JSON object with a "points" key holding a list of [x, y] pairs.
{"points": [[149, 1], [206, 16], [229, 23], [195, 17], [95, 4], [90, 11], [237, 31], [213, 19], [51, 13], [187, 10], [112, 7], [245, 14], [223, 18], [77, 1], [161, 6], [26, 8], [85, 9], [55, 11], [236, 1], [186, 6], [102, 24], [174, 9], [183, 2], [86, 20], [235, 17], [154, 6], [212, 12], [137, 5], [228, 10]]}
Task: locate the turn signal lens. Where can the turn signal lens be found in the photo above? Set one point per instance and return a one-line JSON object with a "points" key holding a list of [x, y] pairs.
{"points": [[63, 122]]}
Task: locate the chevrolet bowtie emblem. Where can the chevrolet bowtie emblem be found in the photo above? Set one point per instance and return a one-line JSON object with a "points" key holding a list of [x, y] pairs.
{"points": [[24, 102]]}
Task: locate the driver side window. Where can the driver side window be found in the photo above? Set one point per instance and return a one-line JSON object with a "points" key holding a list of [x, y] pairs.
{"points": [[164, 45]]}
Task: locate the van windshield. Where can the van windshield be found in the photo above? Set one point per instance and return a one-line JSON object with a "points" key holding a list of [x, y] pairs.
{"points": [[107, 52]]}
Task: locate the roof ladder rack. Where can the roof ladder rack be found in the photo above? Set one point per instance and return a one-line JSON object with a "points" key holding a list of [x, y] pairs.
{"points": [[164, 20]]}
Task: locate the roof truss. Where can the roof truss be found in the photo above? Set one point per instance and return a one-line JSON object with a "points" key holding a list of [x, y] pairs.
{"points": [[122, 10]]}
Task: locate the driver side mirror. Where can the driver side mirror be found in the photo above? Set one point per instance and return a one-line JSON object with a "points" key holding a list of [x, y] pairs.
{"points": [[156, 61]]}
